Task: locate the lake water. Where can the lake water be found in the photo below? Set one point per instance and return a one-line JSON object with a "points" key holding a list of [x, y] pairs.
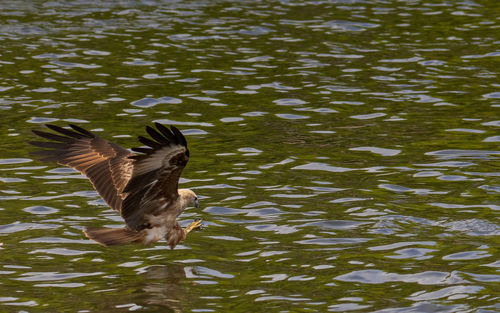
{"points": [[346, 154]]}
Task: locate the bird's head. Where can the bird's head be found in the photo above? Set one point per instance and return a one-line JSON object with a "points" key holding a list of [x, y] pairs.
{"points": [[189, 198]]}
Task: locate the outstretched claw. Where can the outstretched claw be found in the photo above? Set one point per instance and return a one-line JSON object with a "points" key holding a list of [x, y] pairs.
{"points": [[195, 224]]}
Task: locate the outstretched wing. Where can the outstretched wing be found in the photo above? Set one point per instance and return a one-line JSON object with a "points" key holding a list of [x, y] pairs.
{"points": [[155, 176], [106, 164]]}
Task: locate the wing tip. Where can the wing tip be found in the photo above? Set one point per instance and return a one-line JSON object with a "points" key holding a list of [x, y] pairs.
{"points": [[82, 130], [178, 135], [36, 132], [63, 134], [162, 136]]}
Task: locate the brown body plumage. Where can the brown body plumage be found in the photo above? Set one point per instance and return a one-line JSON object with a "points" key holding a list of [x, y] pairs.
{"points": [[142, 186]]}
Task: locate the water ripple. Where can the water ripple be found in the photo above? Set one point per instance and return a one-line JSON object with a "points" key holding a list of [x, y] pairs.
{"points": [[51, 276], [316, 166], [338, 148], [380, 277]]}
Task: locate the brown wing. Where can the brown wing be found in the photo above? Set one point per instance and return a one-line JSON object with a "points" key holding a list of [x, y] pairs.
{"points": [[106, 164], [155, 176]]}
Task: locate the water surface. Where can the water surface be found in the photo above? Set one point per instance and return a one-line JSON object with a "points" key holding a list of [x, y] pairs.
{"points": [[345, 152]]}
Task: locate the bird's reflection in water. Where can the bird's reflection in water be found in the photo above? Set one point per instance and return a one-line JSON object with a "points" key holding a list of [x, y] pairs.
{"points": [[166, 286]]}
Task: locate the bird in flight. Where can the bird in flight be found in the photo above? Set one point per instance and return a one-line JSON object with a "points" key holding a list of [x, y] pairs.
{"points": [[141, 184]]}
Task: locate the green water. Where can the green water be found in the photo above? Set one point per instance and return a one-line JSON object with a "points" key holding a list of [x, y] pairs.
{"points": [[345, 153]]}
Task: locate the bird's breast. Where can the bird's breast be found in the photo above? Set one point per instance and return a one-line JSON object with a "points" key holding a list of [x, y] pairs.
{"points": [[161, 225], [154, 234]]}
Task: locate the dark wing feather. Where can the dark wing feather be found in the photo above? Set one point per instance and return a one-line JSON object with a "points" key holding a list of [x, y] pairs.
{"points": [[155, 175], [167, 133], [156, 136], [106, 164]]}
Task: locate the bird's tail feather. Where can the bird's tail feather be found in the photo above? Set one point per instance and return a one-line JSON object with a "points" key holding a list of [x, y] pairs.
{"points": [[112, 236]]}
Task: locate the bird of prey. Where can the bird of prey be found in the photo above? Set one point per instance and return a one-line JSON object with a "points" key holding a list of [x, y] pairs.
{"points": [[141, 184]]}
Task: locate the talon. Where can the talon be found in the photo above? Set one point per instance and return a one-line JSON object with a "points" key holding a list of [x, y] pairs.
{"points": [[197, 223]]}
